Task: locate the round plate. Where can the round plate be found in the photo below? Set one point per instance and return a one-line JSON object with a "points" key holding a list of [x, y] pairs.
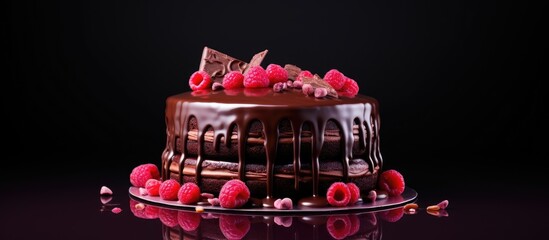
{"points": [[409, 195]]}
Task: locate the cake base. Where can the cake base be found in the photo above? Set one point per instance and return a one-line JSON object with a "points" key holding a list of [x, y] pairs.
{"points": [[409, 195]]}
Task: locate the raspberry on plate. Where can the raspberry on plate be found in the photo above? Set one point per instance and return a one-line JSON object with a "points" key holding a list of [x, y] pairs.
{"points": [[153, 185], [200, 80], [392, 182], [234, 194], [355, 193], [189, 193], [142, 173], [335, 78], [338, 194], [276, 73], [256, 77], [168, 189], [233, 79]]}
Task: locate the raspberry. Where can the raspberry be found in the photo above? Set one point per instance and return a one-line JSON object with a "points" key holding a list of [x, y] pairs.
{"points": [[392, 215], [335, 78], [256, 77], [168, 189], [153, 185], [339, 226], [142, 173], [233, 79], [392, 182], [276, 73], [338, 194], [168, 217], [234, 194], [303, 74], [188, 221], [200, 80], [234, 226], [355, 193], [349, 89], [189, 193]]}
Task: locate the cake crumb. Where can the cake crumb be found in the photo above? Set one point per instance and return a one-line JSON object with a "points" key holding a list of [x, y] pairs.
{"points": [[199, 209]]}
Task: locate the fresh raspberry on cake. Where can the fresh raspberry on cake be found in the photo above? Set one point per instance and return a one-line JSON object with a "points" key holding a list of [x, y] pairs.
{"points": [[335, 78], [349, 89], [234, 194], [355, 193], [233, 79], [200, 80], [153, 185], [256, 77], [338, 194], [392, 182], [303, 74], [189, 193], [169, 189], [142, 173], [276, 73]]}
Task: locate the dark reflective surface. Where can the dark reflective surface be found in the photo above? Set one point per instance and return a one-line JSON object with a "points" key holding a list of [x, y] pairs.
{"points": [[68, 209]]}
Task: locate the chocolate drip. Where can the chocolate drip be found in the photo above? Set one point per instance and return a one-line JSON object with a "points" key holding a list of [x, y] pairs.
{"points": [[296, 127], [222, 113]]}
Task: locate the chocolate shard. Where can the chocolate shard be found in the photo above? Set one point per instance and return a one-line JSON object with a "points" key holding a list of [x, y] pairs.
{"points": [[256, 60], [292, 70], [217, 64], [317, 82]]}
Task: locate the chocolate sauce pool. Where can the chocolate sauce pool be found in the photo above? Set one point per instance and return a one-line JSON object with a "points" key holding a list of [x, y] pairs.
{"points": [[221, 110]]}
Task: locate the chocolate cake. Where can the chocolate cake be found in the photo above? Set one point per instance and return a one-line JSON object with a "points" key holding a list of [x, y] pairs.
{"points": [[280, 143]]}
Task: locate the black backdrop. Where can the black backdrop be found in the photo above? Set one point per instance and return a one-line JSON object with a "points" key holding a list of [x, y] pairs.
{"points": [[459, 82]]}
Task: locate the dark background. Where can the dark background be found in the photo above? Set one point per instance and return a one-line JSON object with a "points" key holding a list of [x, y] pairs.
{"points": [[459, 82]]}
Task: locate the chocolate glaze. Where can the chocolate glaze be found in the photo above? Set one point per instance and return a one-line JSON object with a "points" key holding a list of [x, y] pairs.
{"points": [[221, 110]]}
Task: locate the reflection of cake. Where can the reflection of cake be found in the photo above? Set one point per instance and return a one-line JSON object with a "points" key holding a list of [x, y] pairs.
{"points": [[280, 143], [203, 226]]}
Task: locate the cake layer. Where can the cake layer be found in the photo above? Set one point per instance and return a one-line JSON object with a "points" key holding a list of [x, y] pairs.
{"points": [[216, 173], [271, 129]]}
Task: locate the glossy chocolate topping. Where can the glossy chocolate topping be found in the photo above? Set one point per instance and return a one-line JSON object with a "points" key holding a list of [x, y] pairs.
{"points": [[222, 110]]}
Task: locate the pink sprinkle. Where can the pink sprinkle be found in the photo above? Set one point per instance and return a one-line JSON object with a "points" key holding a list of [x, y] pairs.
{"points": [[289, 84], [278, 87], [283, 204], [308, 89], [116, 210], [372, 195], [207, 195], [297, 84], [105, 191], [143, 191], [321, 92], [443, 204], [214, 201]]}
